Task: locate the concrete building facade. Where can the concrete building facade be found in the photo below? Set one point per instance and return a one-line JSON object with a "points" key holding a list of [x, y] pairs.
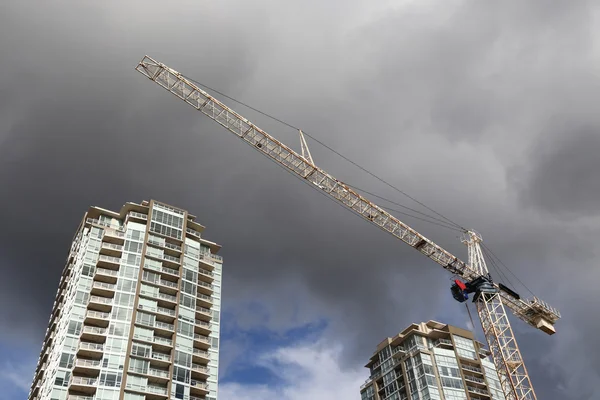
{"points": [[136, 315], [431, 361]]}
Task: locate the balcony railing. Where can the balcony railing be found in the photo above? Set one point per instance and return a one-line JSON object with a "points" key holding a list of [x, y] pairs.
{"points": [[115, 233], [105, 271], [112, 246], [171, 271], [156, 389], [91, 346], [477, 390], [203, 310], [203, 323], [217, 258], [138, 215], [161, 356], [200, 368], [192, 232], [111, 259], [199, 385], [87, 363], [205, 272], [167, 257], [473, 369], [101, 300], [103, 223], [167, 297], [201, 353], [104, 285], [168, 283], [204, 297], [160, 340], [80, 380], [79, 397], [94, 330], [201, 338], [97, 314], [158, 372], [205, 284], [162, 325], [167, 311], [474, 379]]}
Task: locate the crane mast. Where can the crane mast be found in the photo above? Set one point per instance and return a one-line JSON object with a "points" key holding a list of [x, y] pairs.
{"points": [[490, 298]]}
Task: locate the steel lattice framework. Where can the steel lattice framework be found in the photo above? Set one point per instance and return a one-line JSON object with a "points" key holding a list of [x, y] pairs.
{"points": [[491, 307]]}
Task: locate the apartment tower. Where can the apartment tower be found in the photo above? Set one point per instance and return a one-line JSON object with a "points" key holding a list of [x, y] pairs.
{"points": [[431, 361], [136, 314]]}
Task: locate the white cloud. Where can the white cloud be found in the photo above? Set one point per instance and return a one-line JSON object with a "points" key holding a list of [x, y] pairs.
{"points": [[16, 375], [306, 371]]}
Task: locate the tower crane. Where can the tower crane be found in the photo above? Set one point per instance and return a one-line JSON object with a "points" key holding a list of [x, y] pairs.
{"points": [[491, 299]]}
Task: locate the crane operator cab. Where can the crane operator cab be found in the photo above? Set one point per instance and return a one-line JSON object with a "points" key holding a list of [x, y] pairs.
{"points": [[461, 290]]}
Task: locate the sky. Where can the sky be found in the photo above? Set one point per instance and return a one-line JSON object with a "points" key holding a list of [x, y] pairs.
{"points": [[486, 112]]}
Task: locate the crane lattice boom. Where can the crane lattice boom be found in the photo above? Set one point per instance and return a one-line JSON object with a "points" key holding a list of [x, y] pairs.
{"points": [[491, 310]]}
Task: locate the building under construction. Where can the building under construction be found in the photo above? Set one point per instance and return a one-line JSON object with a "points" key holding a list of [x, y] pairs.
{"points": [[429, 359]]}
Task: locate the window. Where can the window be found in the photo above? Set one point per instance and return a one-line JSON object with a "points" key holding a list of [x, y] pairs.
{"points": [[188, 288], [121, 313], [74, 328], [135, 235], [181, 374], [139, 366], [62, 378], [185, 329], [110, 379], [118, 329], [143, 334], [81, 297], [88, 270], [190, 275], [179, 391], [145, 319], [66, 360], [141, 350], [133, 247], [187, 301], [152, 264], [183, 359]]}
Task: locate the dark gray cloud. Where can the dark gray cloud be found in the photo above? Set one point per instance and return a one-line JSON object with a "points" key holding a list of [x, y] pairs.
{"points": [[452, 103]]}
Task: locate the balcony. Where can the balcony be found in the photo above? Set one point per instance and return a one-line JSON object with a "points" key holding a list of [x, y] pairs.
{"points": [[201, 340], [111, 249], [162, 343], [169, 272], [474, 379], [93, 334], [158, 375], [137, 216], [204, 287], [166, 328], [103, 289], [100, 303], [203, 313], [167, 297], [96, 318], [443, 343], [202, 355], [199, 388], [87, 367], [202, 299], [166, 311], [478, 391], [156, 390], [108, 261], [106, 275], [83, 384], [193, 232], [205, 275], [174, 261], [113, 236], [472, 369], [162, 358], [200, 370], [206, 260], [90, 350], [202, 327]]}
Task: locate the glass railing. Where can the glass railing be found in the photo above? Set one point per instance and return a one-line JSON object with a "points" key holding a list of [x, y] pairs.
{"points": [[104, 285], [163, 325], [205, 284], [158, 339], [87, 363], [167, 311], [94, 330], [171, 271], [138, 215], [97, 314], [105, 271], [161, 356], [156, 389], [80, 380], [103, 223], [202, 323], [91, 346], [204, 297], [192, 232], [473, 369], [167, 297], [205, 272], [171, 258], [79, 397], [168, 283], [477, 390], [201, 353], [201, 338], [112, 246], [158, 372], [114, 233], [111, 259], [203, 310], [198, 384], [199, 368], [474, 379]]}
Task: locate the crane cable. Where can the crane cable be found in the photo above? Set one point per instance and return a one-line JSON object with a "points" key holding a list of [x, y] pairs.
{"points": [[448, 223]]}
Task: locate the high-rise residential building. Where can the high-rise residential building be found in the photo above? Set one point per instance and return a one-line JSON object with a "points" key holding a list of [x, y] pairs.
{"points": [[136, 314], [431, 361]]}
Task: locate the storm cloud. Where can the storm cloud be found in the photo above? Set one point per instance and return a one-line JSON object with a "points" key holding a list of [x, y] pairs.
{"points": [[485, 112]]}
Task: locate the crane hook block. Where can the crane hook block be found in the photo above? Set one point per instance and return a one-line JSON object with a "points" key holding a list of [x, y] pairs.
{"points": [[461, 290]]}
